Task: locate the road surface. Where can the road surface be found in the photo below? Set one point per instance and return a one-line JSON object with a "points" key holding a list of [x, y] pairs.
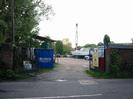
{"points": [[68, 81]]}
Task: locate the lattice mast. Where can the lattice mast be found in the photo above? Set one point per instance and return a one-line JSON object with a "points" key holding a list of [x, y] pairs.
{"points": [[76, 37]]}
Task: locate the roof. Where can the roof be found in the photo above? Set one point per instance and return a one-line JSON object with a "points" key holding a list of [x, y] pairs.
{"points": [[43, 38], [121, 45]]}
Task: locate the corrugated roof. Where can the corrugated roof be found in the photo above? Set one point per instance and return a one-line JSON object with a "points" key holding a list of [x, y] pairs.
{"points": [[43, 38], [121, 45]]}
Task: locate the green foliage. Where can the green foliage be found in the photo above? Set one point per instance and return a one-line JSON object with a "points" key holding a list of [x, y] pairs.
{"points": [[27, 17], [3, 29], [2, 38], [115, 66], [7, 74], [107, 75], [59, 47], [90, 45], [106, 40], [67, 46], [100, 44], [63, 47], [98, 74]]}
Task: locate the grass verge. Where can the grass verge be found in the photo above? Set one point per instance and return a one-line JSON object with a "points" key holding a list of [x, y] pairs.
{"points": [[98, 74], [10, 75], [107, 75], [46, 70]]}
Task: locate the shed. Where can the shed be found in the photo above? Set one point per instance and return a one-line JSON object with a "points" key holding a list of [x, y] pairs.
{"points": [[41, 38], [125, 51]]}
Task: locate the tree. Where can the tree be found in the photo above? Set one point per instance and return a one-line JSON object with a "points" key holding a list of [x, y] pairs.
{"points": [[106, 40], [28, 13], [100, 44], [90, 45], [67, 46], [59, 47], [27, 17], [4, 10]]}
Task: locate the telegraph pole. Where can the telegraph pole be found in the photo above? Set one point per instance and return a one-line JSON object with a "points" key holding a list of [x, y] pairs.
{"points": [[12, 32], [13, 22], [76, 37]]}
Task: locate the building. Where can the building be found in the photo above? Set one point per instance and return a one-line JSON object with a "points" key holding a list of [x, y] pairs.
{"points": [[125, 50]]}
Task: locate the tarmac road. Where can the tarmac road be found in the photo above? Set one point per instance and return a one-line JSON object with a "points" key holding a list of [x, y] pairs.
{"points": [[68, 81]]}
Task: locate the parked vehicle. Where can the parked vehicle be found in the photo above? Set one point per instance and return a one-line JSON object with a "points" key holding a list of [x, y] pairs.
{"points": [[58, 55], [87, 57]]}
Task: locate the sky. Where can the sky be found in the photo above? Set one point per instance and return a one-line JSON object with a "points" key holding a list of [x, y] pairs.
{"points": [[95, 18]]}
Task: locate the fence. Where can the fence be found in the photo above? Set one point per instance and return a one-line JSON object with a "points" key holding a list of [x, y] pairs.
{"points": [[12, 58]]}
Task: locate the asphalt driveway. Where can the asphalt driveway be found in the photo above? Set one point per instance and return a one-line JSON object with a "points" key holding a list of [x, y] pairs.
{"points": [[68, 81], [68, 69]]}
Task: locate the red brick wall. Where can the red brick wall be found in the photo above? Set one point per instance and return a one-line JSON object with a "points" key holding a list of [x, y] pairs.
{"points": [[6, 56], [126, 56]]}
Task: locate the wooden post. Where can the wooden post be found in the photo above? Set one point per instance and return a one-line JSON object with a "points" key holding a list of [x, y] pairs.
{"points": [[12, 31]]}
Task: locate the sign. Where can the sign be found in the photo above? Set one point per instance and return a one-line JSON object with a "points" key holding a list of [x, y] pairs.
{"points": [[44, 58], [95, 59], [101, 51], [41, 59]]}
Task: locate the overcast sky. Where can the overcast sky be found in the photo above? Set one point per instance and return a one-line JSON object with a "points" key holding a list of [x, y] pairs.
{"points": [[95, 18]]}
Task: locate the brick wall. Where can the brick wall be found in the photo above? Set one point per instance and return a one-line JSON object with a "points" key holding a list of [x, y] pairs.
{"points": [[6, 56], [126, 56]]}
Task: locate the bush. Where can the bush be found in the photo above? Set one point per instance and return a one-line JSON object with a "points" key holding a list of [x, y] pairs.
{"points": [[99, 74], [8, 74], [115, 66]]}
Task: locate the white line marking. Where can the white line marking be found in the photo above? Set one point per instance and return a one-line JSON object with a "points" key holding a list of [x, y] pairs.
{"points": [[61, 97], [61, 80], [87, 82]]}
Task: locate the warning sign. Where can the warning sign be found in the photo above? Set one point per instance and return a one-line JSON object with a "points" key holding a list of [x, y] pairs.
{"points": [[95, 59]]}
